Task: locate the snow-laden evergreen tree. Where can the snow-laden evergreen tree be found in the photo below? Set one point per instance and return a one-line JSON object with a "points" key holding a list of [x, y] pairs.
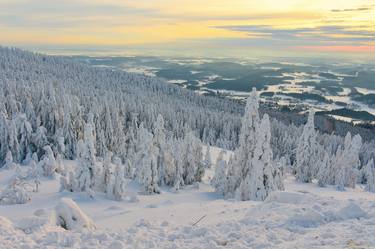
{"points": [[207, 158], [219, 179], [128, 169], [87, 170], [48, 162], [159, 141], [280, 172], [370, 176], [307, 153], [174, 162], [13, 144], [252, 172], [325, 174], [146, 163], [60, 167], [261, 177], [240, 164], [177, 170], [4, 149], [101, 144], [107, 168], [9, 164], [192, 159], [24, 133], [119, 185], [347, 163], [40, 140]]}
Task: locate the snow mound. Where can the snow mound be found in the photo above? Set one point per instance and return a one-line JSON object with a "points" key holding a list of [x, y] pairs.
{"points": [[33, 223], [117, 245], [288, 197], [41, 212], [71, 217], [351, 211], [308, 219]]}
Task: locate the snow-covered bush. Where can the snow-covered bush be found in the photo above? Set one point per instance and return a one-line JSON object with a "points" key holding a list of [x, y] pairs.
{"points": [[15, 193], [70, 217]]}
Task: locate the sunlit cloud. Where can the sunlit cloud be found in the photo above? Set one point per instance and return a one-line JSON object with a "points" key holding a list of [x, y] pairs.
{"points": [[364, 8]]}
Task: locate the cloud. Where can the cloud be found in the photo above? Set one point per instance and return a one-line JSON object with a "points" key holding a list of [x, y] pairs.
{"points": [[324, 33], [364, 8]]}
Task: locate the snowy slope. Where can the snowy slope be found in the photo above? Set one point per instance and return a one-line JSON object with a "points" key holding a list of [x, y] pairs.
{"points": [[304, 216]]}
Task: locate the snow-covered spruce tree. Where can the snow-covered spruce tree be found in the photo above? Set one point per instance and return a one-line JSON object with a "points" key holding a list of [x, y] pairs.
{"points": [[192, 159], [13, 144], [101, 144], [48, 162], [261, 178], [284, 140], [347, 162], [146, 163], [307, 153], [24, 136], [128, 169], [132, 141], [9, 164], [240, 165], [325, 175], [107, 168], [219, 179], [252, 172], [159, 141], [207, 158], [40, 140], [174, 163], [4, 136], [178, 180], [370, 176], [280, 173], [87, 165], [119, 185]]}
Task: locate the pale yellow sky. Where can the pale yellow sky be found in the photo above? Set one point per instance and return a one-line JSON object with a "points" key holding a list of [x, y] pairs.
{"points": [[268, 25]]}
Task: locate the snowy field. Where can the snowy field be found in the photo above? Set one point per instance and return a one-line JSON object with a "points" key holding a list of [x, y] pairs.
{"points": [[302, 216]]}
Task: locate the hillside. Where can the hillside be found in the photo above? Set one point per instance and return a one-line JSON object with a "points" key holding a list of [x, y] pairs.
{"points": [[95, 157]]}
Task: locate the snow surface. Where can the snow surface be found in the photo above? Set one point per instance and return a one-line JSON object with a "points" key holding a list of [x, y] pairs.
{"points": [[302, 216]]}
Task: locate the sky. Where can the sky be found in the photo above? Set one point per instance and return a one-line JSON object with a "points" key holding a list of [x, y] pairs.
{"points": [[193, 27]]}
